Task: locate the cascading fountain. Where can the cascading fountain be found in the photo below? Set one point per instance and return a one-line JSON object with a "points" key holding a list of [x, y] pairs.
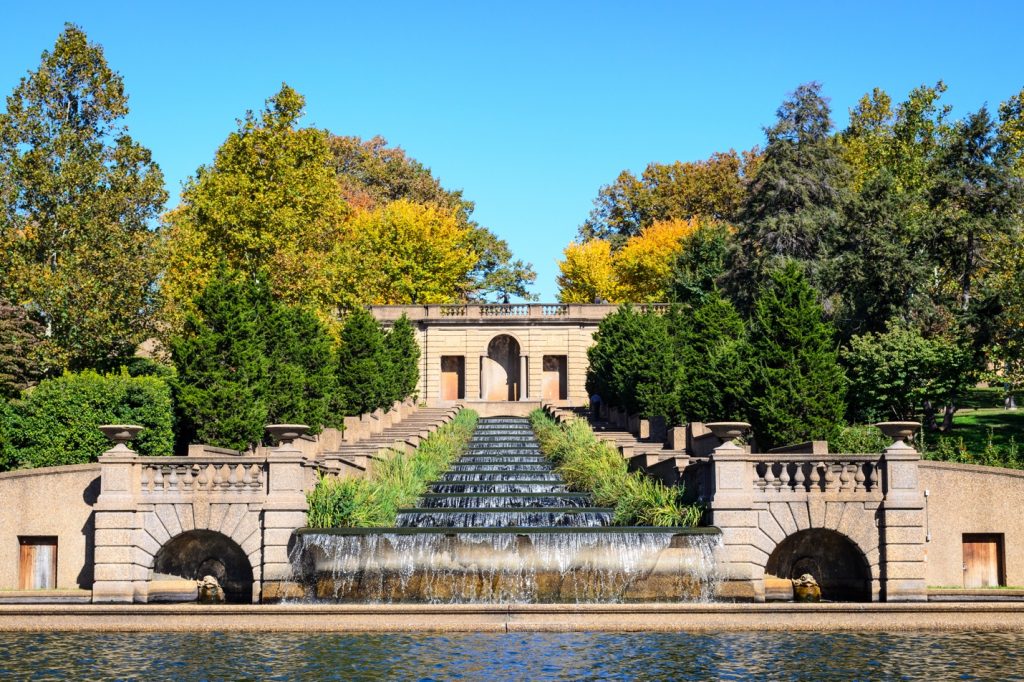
{"points": [[500, 526]]}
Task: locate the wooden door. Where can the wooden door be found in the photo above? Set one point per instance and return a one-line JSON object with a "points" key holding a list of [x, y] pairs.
{"points": [[983, 560], [453, 377], [554, 385], [38, 563]]}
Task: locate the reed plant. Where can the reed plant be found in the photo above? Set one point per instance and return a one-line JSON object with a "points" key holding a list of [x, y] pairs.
{"points": [[394, 482], [594, 466]]}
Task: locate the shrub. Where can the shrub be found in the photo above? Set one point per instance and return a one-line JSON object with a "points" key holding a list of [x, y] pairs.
{"points": [[301, 367], [57, 422], [855, 439], [362, 365], [590, 465], [392, 483], [403, 355]]}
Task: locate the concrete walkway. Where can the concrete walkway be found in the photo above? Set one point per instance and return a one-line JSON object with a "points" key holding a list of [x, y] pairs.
{"points": [[957, 616]]}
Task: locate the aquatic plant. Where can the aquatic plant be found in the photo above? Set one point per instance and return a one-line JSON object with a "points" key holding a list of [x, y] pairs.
{"points": [[590, 465], [393, 482]]}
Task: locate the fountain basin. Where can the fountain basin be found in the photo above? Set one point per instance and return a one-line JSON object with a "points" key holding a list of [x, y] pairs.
{"points": [[507, 565]]}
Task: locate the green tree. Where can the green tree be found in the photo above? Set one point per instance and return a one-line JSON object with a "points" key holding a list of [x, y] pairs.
{"points": [[793, 208], [22, 350], [269, 203], [403, 359], [362, 365], [222, 379], [798, 389], [301, 372], [699, 264], [77, 196], [710, 349], [632, 364]]}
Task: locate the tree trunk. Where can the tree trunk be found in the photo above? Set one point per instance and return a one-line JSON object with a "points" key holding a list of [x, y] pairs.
{"points": [[947, 418], [929, 416]]}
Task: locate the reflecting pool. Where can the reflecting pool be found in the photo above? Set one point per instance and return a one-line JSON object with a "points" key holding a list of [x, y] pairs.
{"points": [[518, 656]]}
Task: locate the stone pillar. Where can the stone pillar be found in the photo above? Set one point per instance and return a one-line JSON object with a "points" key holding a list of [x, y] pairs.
{"points": [[115, 574], [482, 386], [524, 377], [283, 512], [903, 555], [731, 501]]}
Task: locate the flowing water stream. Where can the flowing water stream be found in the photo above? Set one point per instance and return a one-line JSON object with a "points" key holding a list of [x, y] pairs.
{"points": [[501, 526]]}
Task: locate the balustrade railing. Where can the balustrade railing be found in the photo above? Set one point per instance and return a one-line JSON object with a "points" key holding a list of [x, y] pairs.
{"points": [[812, 474], [505, 310], [193, 474]]}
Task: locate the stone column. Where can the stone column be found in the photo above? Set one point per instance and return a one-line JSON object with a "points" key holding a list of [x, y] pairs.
{"points": [[114, 572], [283, 513], [903, 555], [482, 386], [524, 377], [731, 501]]}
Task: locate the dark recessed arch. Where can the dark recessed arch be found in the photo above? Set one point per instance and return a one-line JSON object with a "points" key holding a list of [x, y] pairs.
{"points": [[835, 561], [198, 553]]}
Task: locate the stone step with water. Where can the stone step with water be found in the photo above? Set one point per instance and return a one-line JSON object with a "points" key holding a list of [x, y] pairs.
{"points": [[500, 525]]}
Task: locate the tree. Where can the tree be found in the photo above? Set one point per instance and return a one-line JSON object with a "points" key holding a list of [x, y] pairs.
{"points": [[22, 350], [678, 191], [301, 372], [403, 359], [362, 366], [373, 175], [711, 350], [408, 253], [793, 207], [699, 264], [222, 379], [632, 364], [269, 203], [643, 265], [77, 199], [587, 274], [798, 389]]}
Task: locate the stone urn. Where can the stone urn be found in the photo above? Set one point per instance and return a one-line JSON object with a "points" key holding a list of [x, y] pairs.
{"points": [[899, 432], [120, 435], [286, 434], [806, 589], [727, 432]]}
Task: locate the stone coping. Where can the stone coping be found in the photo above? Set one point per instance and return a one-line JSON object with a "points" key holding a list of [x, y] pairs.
{"points": [[45, 471], [973, 468], [699, 617], [515, 530]]}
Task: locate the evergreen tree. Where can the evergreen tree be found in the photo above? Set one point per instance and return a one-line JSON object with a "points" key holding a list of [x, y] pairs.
{"points": [[222, 380], [711, 352], [301, 367], [403, 355], [632, 364], [797, 388], [699, 264], [77, 196], [362, 364], [22, 345]]}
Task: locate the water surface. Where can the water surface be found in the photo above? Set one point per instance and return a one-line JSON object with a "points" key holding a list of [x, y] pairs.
{"points": [[524, 656]]}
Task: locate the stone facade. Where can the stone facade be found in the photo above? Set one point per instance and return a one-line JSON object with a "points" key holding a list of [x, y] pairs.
{"points": [[510, 352]]}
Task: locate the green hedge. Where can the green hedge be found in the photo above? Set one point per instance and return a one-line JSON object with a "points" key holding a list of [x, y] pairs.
{"points": [[56, 422], [590, 465], [392, 483]]}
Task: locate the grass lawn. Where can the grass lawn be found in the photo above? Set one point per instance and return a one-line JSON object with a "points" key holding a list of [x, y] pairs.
{"points": [[974, 427]]}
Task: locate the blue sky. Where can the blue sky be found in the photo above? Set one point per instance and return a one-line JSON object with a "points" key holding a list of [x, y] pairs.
{"points": [[529, 107]]}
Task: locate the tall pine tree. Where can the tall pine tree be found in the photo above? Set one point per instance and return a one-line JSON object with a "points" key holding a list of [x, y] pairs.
{"points": [[798, 389], [362, 364], [403, 355]]}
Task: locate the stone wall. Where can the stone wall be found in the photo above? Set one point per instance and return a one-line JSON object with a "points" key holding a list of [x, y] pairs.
{"points": [[971, 499], [56, 502]]}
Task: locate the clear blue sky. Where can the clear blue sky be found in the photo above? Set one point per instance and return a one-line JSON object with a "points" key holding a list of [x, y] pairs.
{"points": [[529, 107]]}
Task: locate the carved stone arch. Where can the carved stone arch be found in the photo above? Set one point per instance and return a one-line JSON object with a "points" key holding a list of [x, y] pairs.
{"points": [[499, 374], [195, 554], [837, 562]]}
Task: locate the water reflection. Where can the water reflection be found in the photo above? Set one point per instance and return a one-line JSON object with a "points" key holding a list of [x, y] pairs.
{"points": [[528, 656]]}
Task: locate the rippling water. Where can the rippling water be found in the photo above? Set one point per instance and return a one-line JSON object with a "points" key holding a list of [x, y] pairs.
{"points": [[527, 656]]}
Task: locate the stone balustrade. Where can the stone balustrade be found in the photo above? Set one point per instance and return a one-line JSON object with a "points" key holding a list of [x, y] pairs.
{"points": [[778, 474], [205, 474], [505, 312]]}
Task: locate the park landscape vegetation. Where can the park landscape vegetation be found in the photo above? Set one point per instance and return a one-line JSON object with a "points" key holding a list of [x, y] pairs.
{"points": [[827, 279]]}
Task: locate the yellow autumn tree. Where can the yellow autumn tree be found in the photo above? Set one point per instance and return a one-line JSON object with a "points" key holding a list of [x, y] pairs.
{"points": [[407, 253], [644, 264], [587, 274]]}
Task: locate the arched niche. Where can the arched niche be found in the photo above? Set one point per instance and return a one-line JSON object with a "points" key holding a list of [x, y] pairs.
{"points": [[836, 563], [198, 553], [499, 375]]}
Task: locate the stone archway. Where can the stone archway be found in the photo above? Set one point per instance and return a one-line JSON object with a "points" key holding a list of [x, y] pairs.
{"points": [[499, 375], [199, 553], [835, 561]]}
